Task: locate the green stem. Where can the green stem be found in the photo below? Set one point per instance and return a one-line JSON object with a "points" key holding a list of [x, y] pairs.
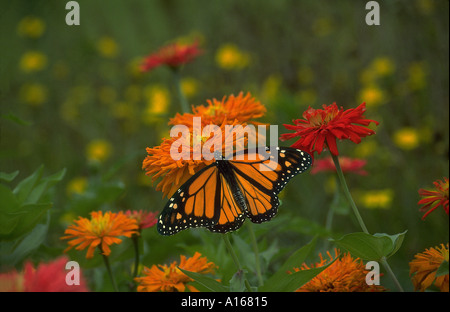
{"points": [[181, 97], [347, 193], [330, 214], [256, 252], [391, 273], [359, 218], [108, 268], [135, 240], [235, 259]]}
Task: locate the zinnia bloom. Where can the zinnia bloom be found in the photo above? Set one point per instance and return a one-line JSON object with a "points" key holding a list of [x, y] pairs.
{"points": [[144, 219], [346, 274], [47, 277], [232, 108], [435, 198], [160, 163], [101, 230], [424, 266], [324, 126], [170, 278], [347, 165], [172, 55]]}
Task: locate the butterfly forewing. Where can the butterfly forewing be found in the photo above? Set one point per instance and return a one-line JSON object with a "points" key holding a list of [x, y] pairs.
{"points": [[196, 203], [262, 180]]}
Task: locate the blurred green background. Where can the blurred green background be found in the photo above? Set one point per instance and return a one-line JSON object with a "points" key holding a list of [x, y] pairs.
{"points": [[73, 97]]}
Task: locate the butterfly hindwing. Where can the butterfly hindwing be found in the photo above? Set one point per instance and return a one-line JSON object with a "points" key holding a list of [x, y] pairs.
{"points": [[231, 214]]}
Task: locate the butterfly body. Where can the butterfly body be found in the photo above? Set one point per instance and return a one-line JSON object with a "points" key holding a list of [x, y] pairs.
{"points": [[221, 195], [225, 170]]}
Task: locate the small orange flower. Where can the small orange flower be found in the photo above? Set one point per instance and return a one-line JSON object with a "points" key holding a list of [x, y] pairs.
{"points": [[170, 279], [434, 199], [424, 266], [102, 230], [241, 108], [346, 274]]}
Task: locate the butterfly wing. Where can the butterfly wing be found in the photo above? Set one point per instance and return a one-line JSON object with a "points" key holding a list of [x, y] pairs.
{"points": [[208, 200], [231, 214], [261, 180], [196, 203]]}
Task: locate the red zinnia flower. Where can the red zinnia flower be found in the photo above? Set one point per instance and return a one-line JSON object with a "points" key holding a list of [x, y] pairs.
{"points": [[434, 199], [47, 277], [172, 55], [144, 219], [321, 126], [347, 165]]}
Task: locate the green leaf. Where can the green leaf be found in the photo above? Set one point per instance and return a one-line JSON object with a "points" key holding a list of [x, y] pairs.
{"points": [[30, 216], [43, 185], [292, 282], [16, 119], [206, 281], [24, 188], [9, 215], [443, 269], [295, 260], [8, 177], [371, 247], [397, 241], [237, 282], [22, 247]]}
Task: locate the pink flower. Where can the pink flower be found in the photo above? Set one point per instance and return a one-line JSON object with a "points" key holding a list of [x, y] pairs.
{"points": [[172, 55], [144, 219], [347, 165], [47, 277]]}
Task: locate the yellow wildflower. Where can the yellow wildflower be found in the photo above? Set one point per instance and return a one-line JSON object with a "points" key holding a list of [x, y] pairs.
{"points": [[229, 57], [407, 138], [31, 26], [33, 61]]}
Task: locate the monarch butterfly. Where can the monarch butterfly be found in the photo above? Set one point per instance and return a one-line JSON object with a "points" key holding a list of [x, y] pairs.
{"points": [[221, 195]]}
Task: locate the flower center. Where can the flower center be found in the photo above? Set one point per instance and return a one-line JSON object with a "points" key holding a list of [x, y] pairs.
{"points": [[100, 225], [321, 117], [214, 109]]}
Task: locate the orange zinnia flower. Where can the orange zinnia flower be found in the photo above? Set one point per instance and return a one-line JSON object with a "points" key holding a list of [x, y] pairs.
{"points": [[347, 165], [324, 126], [434, 199], [424, 268], [172, 55], [346, 274], [102, 230], [161, 163], [232, 108], [170, 278]]}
